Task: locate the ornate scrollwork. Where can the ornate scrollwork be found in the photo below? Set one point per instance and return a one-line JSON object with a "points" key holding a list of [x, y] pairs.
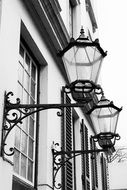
{"points": [[15, 112], [59, 113], [61, 158], [13, 115], [57, 164]]}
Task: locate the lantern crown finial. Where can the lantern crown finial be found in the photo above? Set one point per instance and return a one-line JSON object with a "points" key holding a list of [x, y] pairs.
{"points": [[82, 35]]}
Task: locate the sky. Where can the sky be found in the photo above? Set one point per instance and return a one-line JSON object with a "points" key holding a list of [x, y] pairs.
{"points": [[112, 27]]}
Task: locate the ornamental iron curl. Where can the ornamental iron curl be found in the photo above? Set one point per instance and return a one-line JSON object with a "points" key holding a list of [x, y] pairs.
{"points": [[14, 113]]}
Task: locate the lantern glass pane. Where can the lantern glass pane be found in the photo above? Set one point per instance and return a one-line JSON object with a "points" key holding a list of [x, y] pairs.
{"points": [[70, 64], [105, 119], [83, 63]]}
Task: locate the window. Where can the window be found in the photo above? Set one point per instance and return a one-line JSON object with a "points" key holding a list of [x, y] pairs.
{"points": [[25, 134]]}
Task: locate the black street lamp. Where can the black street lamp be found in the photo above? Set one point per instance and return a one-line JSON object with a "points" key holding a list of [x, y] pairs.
{"points": [[82, 60], [105, 117]]}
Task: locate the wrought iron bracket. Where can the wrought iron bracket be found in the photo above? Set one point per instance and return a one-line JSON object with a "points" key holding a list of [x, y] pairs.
{"points": [[60, 158], [14, 113]]}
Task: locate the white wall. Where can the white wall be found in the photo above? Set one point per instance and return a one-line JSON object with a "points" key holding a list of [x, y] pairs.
{"points": [[9, 43], [118, 175]]}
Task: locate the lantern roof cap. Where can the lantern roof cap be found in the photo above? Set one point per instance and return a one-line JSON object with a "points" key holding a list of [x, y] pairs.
{"points": [[82, 41], [104, 103]]}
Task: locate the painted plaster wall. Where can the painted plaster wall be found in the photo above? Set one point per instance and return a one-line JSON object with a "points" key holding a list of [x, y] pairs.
{"points": [[117, 175], [9, 43]]}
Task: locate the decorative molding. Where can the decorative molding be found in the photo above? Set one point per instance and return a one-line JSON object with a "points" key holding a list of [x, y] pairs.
{"points": [[46, 14], [89, 8]]}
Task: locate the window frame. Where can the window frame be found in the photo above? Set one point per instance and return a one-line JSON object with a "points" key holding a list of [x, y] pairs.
{"points": [[18, 176]]}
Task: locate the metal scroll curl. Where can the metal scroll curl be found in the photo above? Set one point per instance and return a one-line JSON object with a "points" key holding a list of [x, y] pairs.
{"points": [[60, 159], [13, 115], [57, 164]]}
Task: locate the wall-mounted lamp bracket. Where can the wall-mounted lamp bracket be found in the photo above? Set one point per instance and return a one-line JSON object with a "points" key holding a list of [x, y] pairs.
{"points": [[14, 113], [61, 158]]}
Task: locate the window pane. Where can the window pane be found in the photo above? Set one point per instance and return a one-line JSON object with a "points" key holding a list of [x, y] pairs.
{"points": [[20, 91], [21, 51], [25, 124], [24, 143], [33, 73], [26, 80], [25, 97], [23, 166], [32, 88], [16, 161], [31, 148], [20, 73], [30, 170], [27, 65], [32, 102], [31, 127], [17, 137]]}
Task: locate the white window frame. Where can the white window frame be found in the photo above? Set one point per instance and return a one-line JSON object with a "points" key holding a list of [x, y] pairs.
{"points": [[29, 137]]}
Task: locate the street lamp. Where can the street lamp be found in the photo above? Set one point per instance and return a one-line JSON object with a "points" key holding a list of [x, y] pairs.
{"points": [[82, 60], [105, 117]]}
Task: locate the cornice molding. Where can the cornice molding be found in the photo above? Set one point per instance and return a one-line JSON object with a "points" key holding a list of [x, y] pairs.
{"points": [[89, 8], [53, 13], [46, 15]]}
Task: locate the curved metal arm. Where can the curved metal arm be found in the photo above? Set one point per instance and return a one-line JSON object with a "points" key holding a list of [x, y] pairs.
{"points": [[60, 158], [14, 113]]}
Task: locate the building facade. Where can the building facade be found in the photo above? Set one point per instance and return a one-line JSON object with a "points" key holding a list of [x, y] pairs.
{"points": [[31, 35]]}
